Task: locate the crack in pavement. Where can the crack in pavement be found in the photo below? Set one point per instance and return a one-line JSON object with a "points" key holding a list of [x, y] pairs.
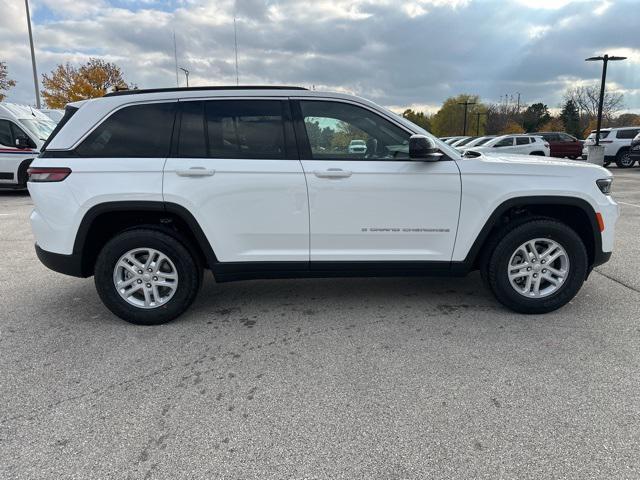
{"points": [[630, 287]]}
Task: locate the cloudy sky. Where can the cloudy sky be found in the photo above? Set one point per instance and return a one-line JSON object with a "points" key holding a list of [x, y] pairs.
{"points": [[397, 53]]}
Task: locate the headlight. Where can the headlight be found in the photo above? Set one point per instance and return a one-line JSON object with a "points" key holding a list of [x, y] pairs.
{"points": [[604, 184]]}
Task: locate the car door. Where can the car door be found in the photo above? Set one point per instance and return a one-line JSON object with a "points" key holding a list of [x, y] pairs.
{"points": [[236, 170], [375, 206], [505, 145], [523, 145], [11, 157]]}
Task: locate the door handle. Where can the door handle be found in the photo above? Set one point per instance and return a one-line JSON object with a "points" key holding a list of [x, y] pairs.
{"points": [[332, 173], [195, 172]]}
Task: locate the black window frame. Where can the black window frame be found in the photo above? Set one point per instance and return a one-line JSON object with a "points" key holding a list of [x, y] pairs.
{"points": [[304, 145], [291, 148], [635, 132]]}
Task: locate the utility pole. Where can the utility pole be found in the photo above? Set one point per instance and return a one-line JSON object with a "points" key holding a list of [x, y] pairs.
{"points": [[235, 39], [186, 74], [518, 108], [33, 56], [605, 60], [466, 104]]}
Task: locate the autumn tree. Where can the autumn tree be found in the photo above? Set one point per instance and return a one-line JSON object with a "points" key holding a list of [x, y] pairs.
{"points": [[449, 120], [511, 127], [554, 124], [419, 118], [67, 83], [5, 82], [587, 98]]}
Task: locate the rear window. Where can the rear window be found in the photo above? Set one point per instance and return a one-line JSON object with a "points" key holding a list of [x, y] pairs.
{"points": [[522, 140], [630, 133], [136, 131]]}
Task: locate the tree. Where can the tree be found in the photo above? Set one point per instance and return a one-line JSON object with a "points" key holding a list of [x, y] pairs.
{"points": [[450, 118], [627, 120], [67, 83], [571, 118], [586, 98], [419, 118], [511, 127], [5, 82], [534, 116], [554, 124]]}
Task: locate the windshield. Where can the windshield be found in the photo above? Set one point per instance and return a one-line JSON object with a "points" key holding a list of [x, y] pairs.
{"points": [[482, 141], [40, 128], [460, 143]]}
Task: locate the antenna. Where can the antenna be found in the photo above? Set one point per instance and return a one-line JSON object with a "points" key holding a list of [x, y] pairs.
{"points": [[175, 56], [235, 38]]}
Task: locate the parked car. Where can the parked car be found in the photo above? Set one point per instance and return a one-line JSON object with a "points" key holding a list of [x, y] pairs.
{"points": [[143, 189], [634, 149], [357, 146], [451, 140], [23, 130], [525, 144], [463, 141], [562, 144], [476, 142], [616, 143], [54, 114]]}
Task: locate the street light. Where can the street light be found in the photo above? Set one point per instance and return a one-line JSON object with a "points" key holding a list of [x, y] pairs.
{"points": [[186, 74], [466, 104], [605, 60], [33, 56]]}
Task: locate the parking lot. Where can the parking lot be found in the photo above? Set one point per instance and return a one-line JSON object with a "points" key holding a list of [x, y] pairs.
{"points": [[341, 378]]}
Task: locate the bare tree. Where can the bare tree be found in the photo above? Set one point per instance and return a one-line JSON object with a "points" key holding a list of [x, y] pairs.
{"points": [[588, 97]]}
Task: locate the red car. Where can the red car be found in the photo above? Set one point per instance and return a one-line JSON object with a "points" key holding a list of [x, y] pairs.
{"points": [[562, 144]]}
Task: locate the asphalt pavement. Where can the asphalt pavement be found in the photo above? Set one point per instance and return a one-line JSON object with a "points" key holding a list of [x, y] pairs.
{"points": [[391, 378]]}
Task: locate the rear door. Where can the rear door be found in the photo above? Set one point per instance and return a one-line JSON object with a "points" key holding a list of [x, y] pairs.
{"points": [[236, 169], [376, 205]]}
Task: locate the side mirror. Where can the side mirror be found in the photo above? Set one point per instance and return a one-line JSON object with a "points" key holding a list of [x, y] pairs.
{"points": [[23, 142], [423, 148]]}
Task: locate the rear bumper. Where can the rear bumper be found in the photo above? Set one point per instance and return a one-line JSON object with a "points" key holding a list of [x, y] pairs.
{"points": [[58, 262]]}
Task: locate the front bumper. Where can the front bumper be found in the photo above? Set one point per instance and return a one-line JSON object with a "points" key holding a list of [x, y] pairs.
{"points": [[58, 262]]}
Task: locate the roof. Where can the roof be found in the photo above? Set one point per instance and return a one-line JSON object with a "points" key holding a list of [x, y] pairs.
{"points": [[21, 111], [195, 89]]}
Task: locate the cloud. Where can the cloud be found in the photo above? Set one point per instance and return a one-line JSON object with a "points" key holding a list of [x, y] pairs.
{"points": [[396, 53]]}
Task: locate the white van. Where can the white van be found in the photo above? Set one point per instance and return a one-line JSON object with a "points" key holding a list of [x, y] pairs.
{"points": [[23, 131]]}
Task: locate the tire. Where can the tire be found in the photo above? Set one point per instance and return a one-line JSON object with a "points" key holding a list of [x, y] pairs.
{"points": [[539, 154], [606, 163], [179, 261], [624, 160], [496, 267], [23, 176]]}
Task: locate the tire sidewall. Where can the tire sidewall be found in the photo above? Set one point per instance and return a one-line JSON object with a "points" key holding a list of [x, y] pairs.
{"points": [[624, 156], [188, 277], [578, 264]]}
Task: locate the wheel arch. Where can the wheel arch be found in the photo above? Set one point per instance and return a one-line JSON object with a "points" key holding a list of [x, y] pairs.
{"points": [[575, 212], [101, 222]]}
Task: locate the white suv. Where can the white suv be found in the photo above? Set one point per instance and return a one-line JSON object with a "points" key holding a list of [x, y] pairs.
{"points": [[519, 144], [145, 189], [616, 143]]}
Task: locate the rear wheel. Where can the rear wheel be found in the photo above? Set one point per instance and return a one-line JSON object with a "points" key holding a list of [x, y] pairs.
{"points": [[624, 159], [537, 266], [146, 277], [540, 154]]}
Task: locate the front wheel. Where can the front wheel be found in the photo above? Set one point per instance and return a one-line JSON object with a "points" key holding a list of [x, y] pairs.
{"points": [[537, 266], [146, 277]]}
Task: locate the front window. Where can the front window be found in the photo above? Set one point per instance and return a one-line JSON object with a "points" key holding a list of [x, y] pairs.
{"points": [[40, 128], [505, 142], [339, 131]]}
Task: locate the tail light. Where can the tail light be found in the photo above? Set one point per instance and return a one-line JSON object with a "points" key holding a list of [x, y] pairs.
{"points": [[546, 145], [48, 174]]}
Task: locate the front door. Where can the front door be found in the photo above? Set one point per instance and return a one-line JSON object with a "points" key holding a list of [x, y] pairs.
{"points": [[374, 205]]}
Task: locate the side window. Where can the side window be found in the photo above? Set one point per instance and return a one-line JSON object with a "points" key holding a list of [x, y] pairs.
{"points": [[245, 129], [505, 142], [135, 131], [19, 133], [522, 140], [339, 131], [566, 138], [192, 141], [626, 134], [6, 137]]}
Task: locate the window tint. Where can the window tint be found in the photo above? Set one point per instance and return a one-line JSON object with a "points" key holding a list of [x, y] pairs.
{"points": [[566, 138], [192, 139], [522, 140], [627, 133], [505, 142], [136, 131], [332, 128], [245, 129], [6, 137]]}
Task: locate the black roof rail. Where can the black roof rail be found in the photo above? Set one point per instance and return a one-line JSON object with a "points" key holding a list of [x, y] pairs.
{"points": [[195, 89]]}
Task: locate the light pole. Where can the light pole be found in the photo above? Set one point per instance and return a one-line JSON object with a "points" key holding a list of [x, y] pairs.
{"points": [[186, 74], [33, 56], [466, 104], [605, 60]]}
